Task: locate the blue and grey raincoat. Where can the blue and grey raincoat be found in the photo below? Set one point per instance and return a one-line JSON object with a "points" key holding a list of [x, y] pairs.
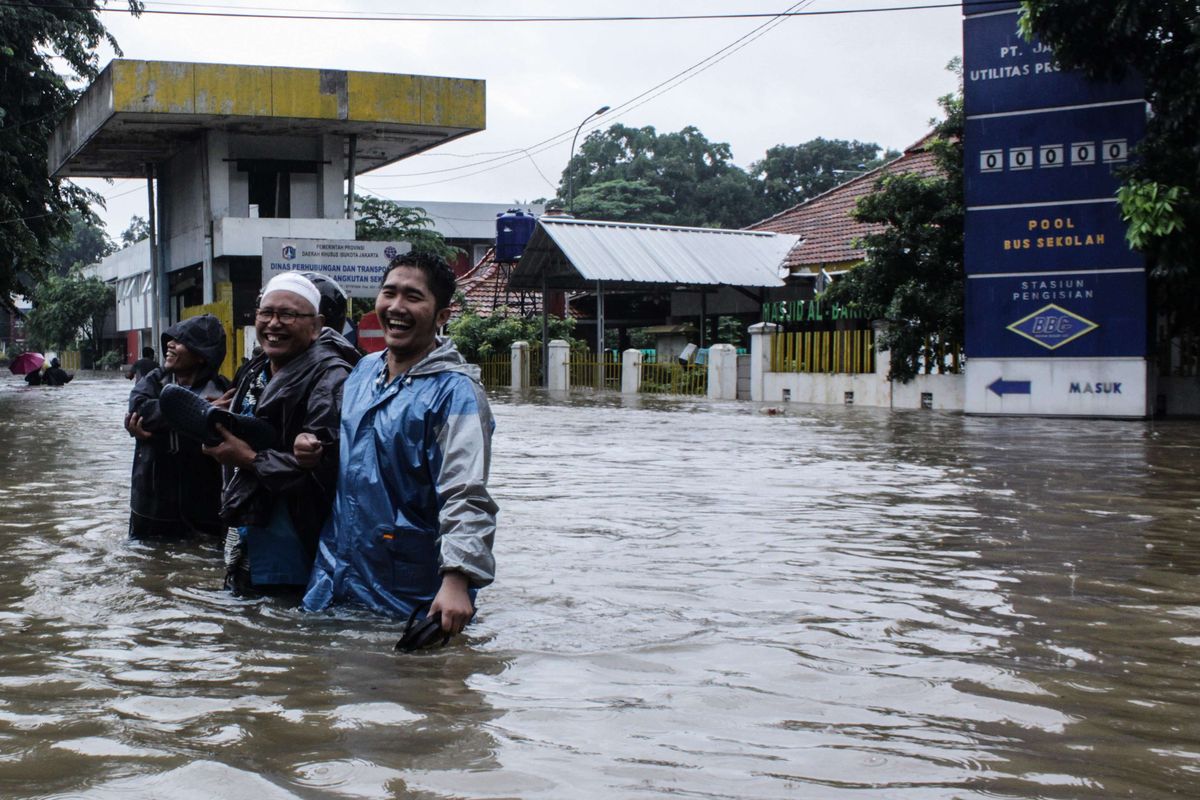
{"points": [[412, 499]]}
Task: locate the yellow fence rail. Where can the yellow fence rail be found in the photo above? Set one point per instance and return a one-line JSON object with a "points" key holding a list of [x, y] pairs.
{"points": [[674, 378], [496, 371], [823, 352], [585, 370], [940, 358]]}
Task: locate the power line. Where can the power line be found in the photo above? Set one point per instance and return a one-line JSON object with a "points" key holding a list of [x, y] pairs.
{"points": [[658, 89], [507, 19]]}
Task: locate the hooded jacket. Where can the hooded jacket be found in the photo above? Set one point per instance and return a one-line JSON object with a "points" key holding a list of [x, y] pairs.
{"points": [[304, 396], [412, 498], [176, 489]]}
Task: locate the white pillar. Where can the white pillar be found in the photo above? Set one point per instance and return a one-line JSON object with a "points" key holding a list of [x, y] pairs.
{"points": [[722, 372], [631, 371], [520, 357], [557, 369], [760, 356]]}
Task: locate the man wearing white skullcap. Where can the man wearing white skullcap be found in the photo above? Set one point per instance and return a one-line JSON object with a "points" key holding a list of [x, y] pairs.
{"points": [[274, 506]]}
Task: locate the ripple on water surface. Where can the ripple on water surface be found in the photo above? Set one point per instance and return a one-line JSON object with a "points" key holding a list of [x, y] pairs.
{"points": [[692, 600]]}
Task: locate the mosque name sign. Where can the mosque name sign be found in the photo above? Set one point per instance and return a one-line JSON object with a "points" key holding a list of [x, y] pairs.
{"points": [[782, 312], [356, 266]]}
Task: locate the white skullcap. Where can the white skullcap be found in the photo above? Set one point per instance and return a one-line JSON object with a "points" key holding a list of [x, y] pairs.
{"points": [[297, 284]]}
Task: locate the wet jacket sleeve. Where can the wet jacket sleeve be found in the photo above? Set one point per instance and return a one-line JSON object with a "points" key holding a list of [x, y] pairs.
{"points": [[461, 460], [143, 400], [278, 470]]}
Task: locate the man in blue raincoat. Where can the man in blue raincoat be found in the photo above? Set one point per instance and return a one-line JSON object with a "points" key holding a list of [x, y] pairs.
{"points": [[412, 522]]}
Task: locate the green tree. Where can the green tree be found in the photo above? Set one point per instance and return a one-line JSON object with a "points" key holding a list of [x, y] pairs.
{"points": [[624, 201], [479, 338], [684, 178], [791, 174], [70, 308], [138, 230], [36, 41], [381, 220], [1158, 40], [913, 275], [83, 245]]}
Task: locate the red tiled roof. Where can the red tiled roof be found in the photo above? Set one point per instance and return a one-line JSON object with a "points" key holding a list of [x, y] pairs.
{"points": [[828, 231], [485, 287]]}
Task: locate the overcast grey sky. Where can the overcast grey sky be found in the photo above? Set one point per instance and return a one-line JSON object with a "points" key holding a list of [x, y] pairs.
{"points": [[867, 76]]}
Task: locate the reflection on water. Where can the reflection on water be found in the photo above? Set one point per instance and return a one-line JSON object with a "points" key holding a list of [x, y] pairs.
{"points": [[693, 599]]}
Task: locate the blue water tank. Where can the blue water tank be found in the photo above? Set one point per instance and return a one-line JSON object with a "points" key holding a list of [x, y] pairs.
{"points": [[513, 229]]}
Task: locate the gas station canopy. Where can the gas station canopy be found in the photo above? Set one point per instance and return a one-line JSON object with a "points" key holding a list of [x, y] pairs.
{"points": [[144, 111]]}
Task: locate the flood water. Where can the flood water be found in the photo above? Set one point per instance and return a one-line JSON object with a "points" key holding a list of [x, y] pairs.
{"points": [[693, 600]]}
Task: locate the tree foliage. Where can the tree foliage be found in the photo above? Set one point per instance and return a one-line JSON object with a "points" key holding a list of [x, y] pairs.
{"points": [[381, 220], [479, 338], [791, 174], [913, 276], [138, 230], [684, 178], [36, 41], [1160, 41], [70, 308], [84, 244], [629, 174]]}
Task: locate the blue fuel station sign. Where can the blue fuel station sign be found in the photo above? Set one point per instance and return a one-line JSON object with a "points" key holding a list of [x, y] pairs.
{"points": [[1049, 272]]}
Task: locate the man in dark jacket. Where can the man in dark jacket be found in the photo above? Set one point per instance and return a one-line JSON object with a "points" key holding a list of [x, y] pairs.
{"points": [[56, 375], [176, 489], [141, 368], [274, 506]]}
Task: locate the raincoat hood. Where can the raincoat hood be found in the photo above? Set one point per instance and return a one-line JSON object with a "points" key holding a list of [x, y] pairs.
{"points": [[205, 337], [443, 358]]}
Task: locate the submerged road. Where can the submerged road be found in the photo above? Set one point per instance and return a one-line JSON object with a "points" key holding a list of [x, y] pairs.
{"points": [[693, 600]]}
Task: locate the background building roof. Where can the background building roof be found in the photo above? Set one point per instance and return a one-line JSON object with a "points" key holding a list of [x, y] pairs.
{"points": [[827, 231], [575, 254]]}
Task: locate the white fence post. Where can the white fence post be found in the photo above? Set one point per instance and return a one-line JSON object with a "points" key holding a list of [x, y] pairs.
{"points": [[631, 371], [520, 357], [558, 369], [722, 372], [760, 356]]}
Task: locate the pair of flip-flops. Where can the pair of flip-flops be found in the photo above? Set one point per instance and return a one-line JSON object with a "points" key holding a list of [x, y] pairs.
{"points": [[194, 417], [423, 633]]}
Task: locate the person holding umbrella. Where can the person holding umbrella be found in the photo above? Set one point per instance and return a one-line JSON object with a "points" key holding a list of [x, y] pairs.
{"points": [[30, 365]]}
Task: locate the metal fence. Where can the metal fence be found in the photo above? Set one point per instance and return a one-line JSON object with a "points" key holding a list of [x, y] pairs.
{"points": [[585, 370], [496, 371], [940, 358], [823, 351], [674, 378]]}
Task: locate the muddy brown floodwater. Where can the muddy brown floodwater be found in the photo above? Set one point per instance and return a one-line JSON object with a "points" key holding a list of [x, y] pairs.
{"points": [[693, 600]]}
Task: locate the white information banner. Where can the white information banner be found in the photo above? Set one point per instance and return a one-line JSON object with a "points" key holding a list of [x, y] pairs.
{"points": [[356, 266]]}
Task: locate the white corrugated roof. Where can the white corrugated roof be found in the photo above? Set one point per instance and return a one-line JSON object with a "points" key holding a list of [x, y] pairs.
{"points": [[581, 252]]}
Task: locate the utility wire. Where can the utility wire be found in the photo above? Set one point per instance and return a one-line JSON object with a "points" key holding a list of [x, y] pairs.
{"points": [[480, 19], [621, 109]]}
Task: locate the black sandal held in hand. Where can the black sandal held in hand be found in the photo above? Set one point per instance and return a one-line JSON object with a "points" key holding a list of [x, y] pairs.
{"points": [[420, 635], [194, 417]]}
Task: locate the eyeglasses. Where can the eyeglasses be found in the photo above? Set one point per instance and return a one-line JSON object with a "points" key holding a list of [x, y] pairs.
{"points": [[285, 317]]}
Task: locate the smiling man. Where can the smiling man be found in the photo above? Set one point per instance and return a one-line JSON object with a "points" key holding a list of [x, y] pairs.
{"points": [[413, 523], [274, 505], [175, 491]]}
